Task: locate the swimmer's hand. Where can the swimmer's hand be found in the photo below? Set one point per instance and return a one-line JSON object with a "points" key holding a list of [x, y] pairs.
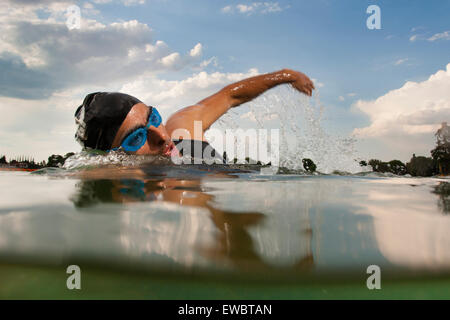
{"points": [[300, 81]]}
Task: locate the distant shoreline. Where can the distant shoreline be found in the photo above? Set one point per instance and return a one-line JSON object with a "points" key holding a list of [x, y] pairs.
{"points": [[12, 168]]}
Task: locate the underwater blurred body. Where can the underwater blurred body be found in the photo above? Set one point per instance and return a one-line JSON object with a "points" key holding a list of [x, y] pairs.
{"points": [[225, 221]]}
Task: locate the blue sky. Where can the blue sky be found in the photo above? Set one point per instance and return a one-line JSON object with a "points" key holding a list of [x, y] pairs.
{"points": [[327, 40]]}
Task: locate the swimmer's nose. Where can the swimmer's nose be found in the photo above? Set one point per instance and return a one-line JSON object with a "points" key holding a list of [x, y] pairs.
{"points": [[158, 137]]}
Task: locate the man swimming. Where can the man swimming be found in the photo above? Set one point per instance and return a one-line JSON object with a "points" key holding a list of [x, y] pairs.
{"points": [[111, 120]]}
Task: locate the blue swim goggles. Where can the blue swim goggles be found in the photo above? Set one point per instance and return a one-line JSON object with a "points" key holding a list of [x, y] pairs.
{"points": [[136, 139]]}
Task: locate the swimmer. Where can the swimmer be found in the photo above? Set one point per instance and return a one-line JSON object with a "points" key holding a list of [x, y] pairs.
{"points": [[112, 121]]}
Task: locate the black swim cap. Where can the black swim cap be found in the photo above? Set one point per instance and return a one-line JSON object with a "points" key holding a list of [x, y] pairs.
{"points": [[100, 116]]}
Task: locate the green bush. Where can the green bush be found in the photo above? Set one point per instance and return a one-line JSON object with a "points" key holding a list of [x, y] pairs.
{"points": [[441, 155], [55, 160], [309, 165], [397, 167], [394, 166], [421, 166]]}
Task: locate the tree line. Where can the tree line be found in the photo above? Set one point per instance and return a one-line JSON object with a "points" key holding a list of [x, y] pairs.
{"points": [[420, 166], [24, 162]]}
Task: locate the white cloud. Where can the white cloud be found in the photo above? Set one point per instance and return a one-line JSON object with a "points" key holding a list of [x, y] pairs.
{"points": [[38, 128], [414, 29], [400, 61], [317, 83], [440, 36], [171, 60], [411, 113], [341, 98], [242, 8], [254, 7], [159, 46], [196, 51], [175, 94], [43, 127], [89, 9], [413, 38], [351, 94], [227, 9], [175, 60], [40, 53], [270, 7], [212, 60], [124, 2], [51, 68], [133, 2]]}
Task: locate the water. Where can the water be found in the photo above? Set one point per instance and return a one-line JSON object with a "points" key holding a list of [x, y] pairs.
{"points": [[141, 227], [205, 221], [302, 133]]}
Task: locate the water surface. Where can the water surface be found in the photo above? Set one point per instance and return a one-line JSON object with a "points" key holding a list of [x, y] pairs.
{"points": [[218, 221]]}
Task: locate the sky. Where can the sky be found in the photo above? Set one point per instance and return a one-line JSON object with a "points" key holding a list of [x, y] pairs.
{"points": [[388, 87]]}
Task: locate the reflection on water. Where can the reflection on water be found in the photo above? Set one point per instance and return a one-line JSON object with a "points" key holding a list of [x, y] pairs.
{"points": [[231, 243], [443, 190], [224, 220]]}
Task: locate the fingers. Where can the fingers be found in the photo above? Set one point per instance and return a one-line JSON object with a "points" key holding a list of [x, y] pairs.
{"points": [[309, 88], [305, 86], [306, 91], [308, 85]]}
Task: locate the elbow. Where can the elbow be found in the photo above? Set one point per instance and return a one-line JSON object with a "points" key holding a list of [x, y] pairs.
{"points": [[236, 94]]}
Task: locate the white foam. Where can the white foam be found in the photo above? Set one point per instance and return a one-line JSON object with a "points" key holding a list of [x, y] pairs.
{"points": [[84, 158]]}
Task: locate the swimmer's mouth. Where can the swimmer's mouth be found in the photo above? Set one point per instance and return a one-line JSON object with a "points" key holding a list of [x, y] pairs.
{"points": [[170, 150]]}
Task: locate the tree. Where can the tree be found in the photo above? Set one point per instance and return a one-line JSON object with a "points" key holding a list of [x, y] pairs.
{"points": [[441, 153], [3, 160], [443, 191], [421, 166], [443, 134], [55, 160], [397, 167], [309, 165], [378, 165], [68, 155], [394, 166]]}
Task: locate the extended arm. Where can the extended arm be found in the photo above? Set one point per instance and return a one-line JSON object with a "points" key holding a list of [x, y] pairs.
{"points": [[213, 107]]}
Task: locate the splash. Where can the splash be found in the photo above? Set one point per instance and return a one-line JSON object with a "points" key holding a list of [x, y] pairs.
{"points": [[302, 134], [85, 159]]}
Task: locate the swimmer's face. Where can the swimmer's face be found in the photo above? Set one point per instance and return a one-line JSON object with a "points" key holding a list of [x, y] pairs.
{"points": [[158, 141]]}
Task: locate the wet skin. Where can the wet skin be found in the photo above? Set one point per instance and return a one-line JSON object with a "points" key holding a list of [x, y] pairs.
{"points": [[158, 140], [207, 111]]}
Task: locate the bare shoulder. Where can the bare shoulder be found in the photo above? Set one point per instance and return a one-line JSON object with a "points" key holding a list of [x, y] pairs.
{"points": [[183, 121]]}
